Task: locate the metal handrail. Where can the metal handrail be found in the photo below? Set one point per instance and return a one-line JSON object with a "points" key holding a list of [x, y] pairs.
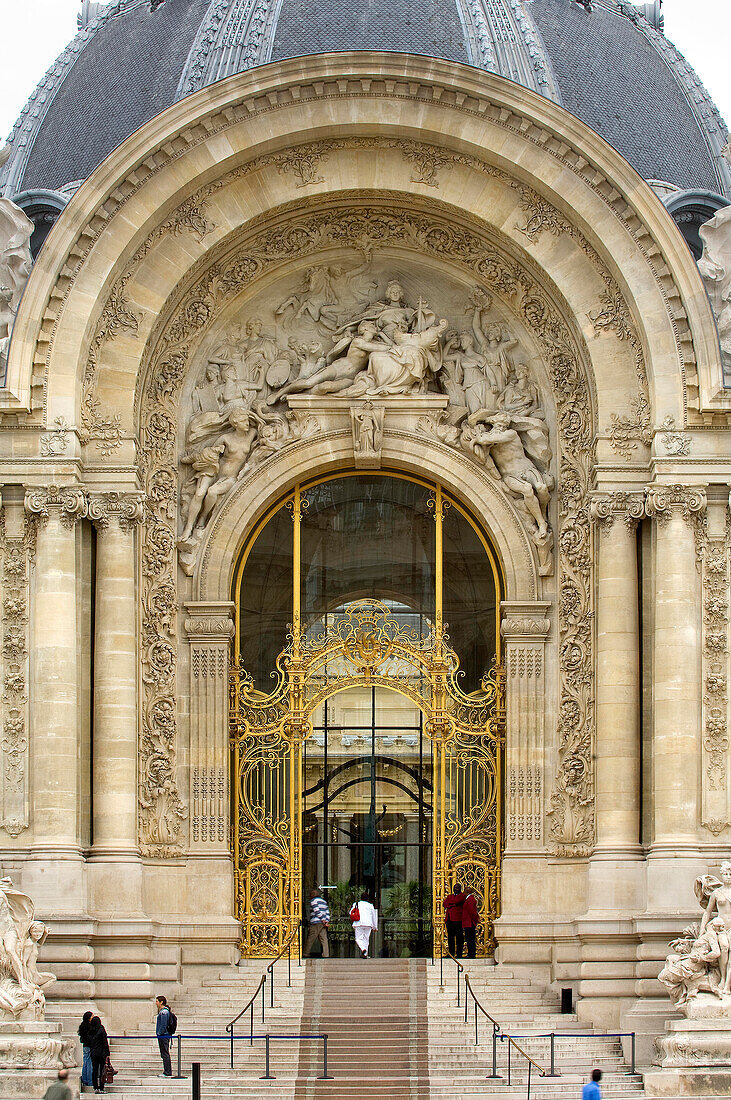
{"points": [[498, 1033], [249, 1004], [460, 970], [288, 949]]}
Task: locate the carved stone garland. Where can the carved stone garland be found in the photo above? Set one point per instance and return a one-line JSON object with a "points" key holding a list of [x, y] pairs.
{"points": [[367, 229], [17, 540]]}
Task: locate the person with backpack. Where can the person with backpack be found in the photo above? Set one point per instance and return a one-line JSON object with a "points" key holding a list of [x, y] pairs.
{"points": [[165, 1027]]}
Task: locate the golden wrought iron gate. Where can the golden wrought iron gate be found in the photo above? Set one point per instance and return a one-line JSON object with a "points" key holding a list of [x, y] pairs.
{"points": [[364, 644]]}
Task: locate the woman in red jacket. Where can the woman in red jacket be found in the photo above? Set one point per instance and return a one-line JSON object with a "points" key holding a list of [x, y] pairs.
{"points": [[453, 919], [470, 920]]}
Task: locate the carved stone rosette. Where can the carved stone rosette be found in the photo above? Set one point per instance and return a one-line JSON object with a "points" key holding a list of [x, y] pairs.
{"points": [[210, 628], [17, 541], [524, 629]]}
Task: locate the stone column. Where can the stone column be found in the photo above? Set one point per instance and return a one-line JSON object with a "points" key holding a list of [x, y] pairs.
{"points": [[676, 750], [210, 628], [614, 882], [524, 630], [114, 819], [54, 689]]}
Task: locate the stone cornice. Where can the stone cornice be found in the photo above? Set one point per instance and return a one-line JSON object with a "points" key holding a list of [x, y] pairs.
{"points": [[210, 621]]}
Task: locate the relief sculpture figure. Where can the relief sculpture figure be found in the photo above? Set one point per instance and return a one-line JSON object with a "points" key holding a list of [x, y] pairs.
{"points": [[697, 974]]}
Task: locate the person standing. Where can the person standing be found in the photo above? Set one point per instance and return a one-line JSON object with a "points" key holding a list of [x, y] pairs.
{"points": [[162, 1030], [365, 920], [319, 924], [591, 1090], [84, 1040], [453, 919], [59, 1090], [99, 1050], [470, 920]]}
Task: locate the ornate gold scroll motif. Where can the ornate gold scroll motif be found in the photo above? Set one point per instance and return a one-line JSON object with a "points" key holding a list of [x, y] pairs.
{"points": [[364, 646]]}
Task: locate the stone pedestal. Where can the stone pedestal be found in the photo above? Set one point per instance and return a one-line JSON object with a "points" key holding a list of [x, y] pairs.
{"points": [[31, 1054], [695, 1059]]}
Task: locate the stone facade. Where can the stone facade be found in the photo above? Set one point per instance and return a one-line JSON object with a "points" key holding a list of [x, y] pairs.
{"points": [[501, 212]]}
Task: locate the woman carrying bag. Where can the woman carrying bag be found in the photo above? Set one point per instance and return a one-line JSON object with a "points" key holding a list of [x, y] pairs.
{"points": [[365, 921], [99, 1049]]}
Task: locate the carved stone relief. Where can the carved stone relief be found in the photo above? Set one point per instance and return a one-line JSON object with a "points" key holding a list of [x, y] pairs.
{"points": [[17, 539], [15, 266], [189, 335], [367, 425], [346, 333]]}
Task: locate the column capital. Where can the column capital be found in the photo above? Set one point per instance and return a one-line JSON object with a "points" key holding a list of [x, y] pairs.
{"points": [[126, 508], [210, 621], [525, 620], [662, 500], [604, 508], [69, 502]]}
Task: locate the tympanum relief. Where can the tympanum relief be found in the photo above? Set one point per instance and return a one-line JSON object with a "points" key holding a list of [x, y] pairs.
{"points": [[363, 337]]}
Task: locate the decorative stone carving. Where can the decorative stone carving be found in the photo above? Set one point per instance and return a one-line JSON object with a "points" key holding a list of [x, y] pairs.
{"points": [[367, 425], [677, 443], [697, 974], [126, 508], [715, 268], [429, 235], [68, 501], [17, 540], [210, 628], [629, 507], [662, 500], [15, 266], [55, 442]]}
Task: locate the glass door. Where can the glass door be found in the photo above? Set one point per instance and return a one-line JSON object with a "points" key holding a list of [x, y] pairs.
{"points": [[367, 818]]}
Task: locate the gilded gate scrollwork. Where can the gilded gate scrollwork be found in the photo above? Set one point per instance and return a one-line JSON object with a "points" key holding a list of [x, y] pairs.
{"points": [[363, 645]]}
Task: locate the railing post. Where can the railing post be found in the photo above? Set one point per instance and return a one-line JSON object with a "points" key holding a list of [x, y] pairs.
{"points": [[465, 1001], [289, 963], [530, 1067], [232, 1045], [494, 1076], [180, 1072], [509, 1046], [267, 1075], [553, 1054], [271, 987], [262, 999], [299, 944], [632, 1046], [251, 1024], [441, 971], [325, 1075], [477, 1041], [457, 986], [196, 1081]]}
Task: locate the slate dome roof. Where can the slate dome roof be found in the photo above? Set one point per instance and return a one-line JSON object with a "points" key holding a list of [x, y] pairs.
{"points": [[611, 66]]}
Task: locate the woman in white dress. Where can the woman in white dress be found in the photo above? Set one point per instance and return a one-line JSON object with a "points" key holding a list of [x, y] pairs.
{"points": [[367, 922]]}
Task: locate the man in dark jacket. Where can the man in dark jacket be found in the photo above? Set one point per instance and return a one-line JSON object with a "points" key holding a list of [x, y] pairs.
{"points": [[163, 1034], [470, 920], [453, 918]]}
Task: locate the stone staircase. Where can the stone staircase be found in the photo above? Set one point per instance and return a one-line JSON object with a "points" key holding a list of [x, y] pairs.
{"points": [[523, 1009], [392, 1033]]}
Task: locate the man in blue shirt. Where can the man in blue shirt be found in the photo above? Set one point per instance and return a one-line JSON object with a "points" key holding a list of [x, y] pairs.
{"points": [[163, 1034], [319, 921], [591, 1091]]}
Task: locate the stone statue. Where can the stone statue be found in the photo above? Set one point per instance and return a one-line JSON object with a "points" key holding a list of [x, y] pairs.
{"points": [[500, 448], [21, 984], [697, 974], [205, 465], [715, 268], [367, 424], [15, 266], [406, 365], [479, 386]]}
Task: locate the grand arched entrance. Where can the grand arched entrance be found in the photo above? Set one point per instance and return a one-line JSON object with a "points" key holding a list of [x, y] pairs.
{"points": [[367, 711]]}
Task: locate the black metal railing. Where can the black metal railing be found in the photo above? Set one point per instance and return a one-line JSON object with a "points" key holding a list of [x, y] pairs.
{"points": [[267, 1039], [552, 1036], [287, 949], [499, 1035]]}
